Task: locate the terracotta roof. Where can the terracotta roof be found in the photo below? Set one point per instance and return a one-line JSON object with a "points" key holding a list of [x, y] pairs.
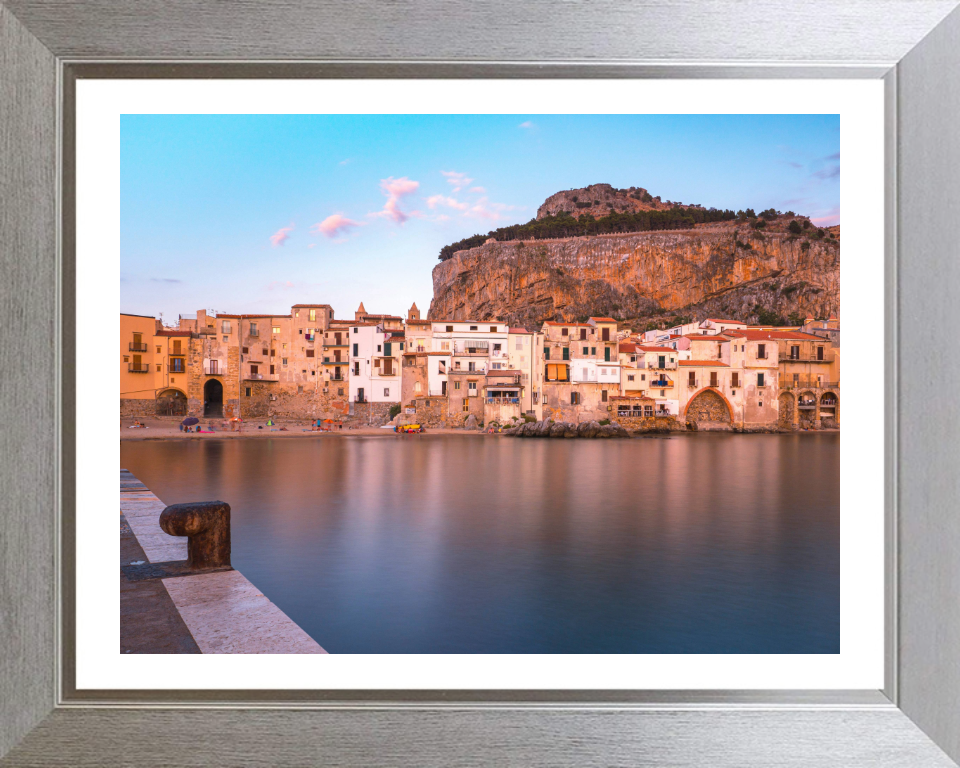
{"points": [[311, 306], [656, 349], [519, 330], [130, 314], [714, 363], [172, 333], [504, 372], [756, 335], [707, 337], [603, 319], [243, 316], [627, 346], [569, 325]]}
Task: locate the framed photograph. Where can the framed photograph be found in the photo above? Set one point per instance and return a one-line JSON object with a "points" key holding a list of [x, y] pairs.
{"points": [[479, 403]]}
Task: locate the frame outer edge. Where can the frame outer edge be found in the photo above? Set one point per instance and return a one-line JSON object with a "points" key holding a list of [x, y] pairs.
{"points": [[28, 439], [928, 149]]}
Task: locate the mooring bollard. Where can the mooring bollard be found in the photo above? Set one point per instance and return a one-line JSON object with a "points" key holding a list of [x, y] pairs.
{"points": [[206, 524]]}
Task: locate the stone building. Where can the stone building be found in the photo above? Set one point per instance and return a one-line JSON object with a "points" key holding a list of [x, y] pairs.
{"points": [[733, 385], [581, 369]]}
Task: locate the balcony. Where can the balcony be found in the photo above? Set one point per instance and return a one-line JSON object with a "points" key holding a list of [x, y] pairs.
{"points": [[137, 347], [176, 366], [134, 368], [807, 382], [253, 333], [657, 367], [213, 368], [662, 383], [503, 401], [827, 358], [472, 352]]}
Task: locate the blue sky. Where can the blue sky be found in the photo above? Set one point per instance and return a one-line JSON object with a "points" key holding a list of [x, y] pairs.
{"points": [[254, 213]]}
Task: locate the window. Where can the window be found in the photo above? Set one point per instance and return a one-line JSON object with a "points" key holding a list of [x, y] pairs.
{"points": [[471, 366], [466, 405], [245, 350], [606, 354], [310, 353], [313, 373], [273, 353], [253, 330], [176, 365], [254, 369], [593, 351], [603, 395], [356, 330], [583, 334], [473, 327], [388, 349], [356, 350], [444, 346], [692, 379], [225, 327], [761, 351], [300, 389], [378, 348], [605, 334], [795, 352], [158, 368], [472, 388], [735, 379], [557, 372], [586, 351], [519, 344], [493, 329], [273, 369], [339, 390], [264, 352], [386, 391], [313, 314], [416, 387], [226, 338], [546, 353], [760, 380], [630, 377], [566, 353], [496, 349], [574, 398], [456, 385], [496, 366], [648, 411], [449, 329], [158, 348], [713, 379], [248, 391], [283, 360], [356, 369], [643, 377], [819, 353]]}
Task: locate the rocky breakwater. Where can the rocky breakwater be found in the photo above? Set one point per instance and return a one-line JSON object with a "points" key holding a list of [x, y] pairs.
{"points": [[714, 271], [561, 429]]}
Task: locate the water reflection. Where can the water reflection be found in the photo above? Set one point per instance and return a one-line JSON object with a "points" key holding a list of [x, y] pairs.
{"points": [[440, 544]]}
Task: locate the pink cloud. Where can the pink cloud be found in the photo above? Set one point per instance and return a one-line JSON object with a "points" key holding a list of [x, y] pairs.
{"points": [[479, 190], [279, 237], [395, 189], [484, 209], [336, 224], [435, 200], [457, 180], [828, 219], [284, 284]]}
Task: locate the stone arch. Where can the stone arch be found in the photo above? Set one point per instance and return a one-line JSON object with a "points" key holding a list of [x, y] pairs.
{"points": [[171, 401], [708, 405], [807, 407], [788, 411], [829, 408], [213, 398]]}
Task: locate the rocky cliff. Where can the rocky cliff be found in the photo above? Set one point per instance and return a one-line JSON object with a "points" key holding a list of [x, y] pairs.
{"points": [[710, 271]]}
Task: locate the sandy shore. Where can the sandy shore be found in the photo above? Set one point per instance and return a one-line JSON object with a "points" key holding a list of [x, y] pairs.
{"points": [[156, 429]]}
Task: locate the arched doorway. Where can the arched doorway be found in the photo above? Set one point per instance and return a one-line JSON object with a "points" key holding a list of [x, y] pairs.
{"points": [[829, 410], [787, 411], [171, 402], [213, 399], [708, 406], [807, 406]]}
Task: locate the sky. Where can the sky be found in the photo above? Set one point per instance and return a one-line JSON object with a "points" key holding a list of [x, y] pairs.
{"points": [[255, 213]]}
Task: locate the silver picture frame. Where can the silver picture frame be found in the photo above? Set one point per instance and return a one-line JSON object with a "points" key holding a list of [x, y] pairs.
{"points": [[912, 45]]}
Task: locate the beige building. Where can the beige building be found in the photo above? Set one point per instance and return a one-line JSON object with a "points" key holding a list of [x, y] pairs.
{"points": [[581, 369]]}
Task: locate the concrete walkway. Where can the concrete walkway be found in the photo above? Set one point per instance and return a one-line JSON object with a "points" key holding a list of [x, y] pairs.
{"points": [[213, 612]]}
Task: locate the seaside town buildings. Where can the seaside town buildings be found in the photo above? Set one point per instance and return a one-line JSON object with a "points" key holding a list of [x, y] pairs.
{"points": [[374, 368]]}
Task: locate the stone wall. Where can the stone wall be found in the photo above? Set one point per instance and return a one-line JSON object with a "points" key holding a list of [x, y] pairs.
{"points": [[137, 408], [649, 423], [707, 406], [431, 412], [788, 410], [370, 414]]}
